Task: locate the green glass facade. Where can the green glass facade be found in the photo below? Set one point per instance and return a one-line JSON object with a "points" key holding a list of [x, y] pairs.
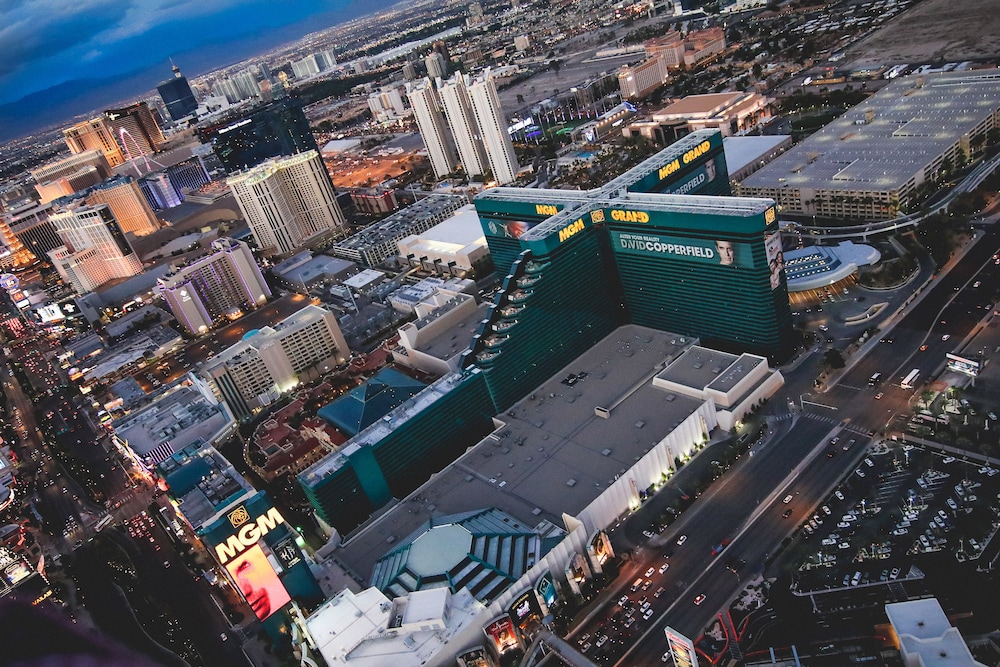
{"points": [[580, 264], [394, 458]]}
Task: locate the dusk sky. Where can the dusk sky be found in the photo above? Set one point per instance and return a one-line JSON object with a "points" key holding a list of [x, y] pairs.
{"points": [[62, 57]]}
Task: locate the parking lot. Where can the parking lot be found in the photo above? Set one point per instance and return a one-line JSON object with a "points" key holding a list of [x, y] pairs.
{"points": [[902, 503]]}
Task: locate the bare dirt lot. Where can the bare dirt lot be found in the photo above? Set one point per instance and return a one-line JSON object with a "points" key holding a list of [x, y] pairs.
{"points": [[946, 30]]}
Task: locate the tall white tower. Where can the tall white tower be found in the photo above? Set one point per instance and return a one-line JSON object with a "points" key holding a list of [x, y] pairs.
{"points": [[288, 201], [493, 128], [433, 129], [462, 121]]}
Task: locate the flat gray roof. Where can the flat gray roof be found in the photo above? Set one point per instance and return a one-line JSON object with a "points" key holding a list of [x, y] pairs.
{"points": [[552, 454], [741, 151], [698, 367], [458, 337], [889, 138]]}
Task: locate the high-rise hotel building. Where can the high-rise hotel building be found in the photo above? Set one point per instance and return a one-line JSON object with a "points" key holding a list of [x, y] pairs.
{"points": [[433, 126], [493, 128], [94, 134], [269, 361], [472, 124], [95, 249], [288, 201], [221, 283]]}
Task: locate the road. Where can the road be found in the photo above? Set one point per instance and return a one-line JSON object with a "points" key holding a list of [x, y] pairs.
{"points": [[751, 491], [792, 462]]}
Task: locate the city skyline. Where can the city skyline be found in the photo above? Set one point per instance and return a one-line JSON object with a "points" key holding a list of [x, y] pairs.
{"points": [[63, 59]]}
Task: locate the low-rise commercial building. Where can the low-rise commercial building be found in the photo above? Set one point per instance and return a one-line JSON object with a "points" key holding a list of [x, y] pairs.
{"points": [[873, 161]]}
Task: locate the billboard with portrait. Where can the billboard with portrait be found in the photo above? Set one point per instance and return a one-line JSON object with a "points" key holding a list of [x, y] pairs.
{"points": [[257, 581], [720, 252], [775, 257], [508, 229], [501, 633]]}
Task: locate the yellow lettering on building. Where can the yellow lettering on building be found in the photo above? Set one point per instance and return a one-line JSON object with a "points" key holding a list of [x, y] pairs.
{"points": [[545, 209], [570, 230], [668, 169], [248, 535], [629, 216], [696, 152]]}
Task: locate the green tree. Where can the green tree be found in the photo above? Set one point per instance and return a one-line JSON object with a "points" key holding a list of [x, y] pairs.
{"points": [[834, 358]]}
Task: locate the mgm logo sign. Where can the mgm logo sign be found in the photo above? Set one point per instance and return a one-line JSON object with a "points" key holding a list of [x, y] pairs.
{"points": [[248, 531]]}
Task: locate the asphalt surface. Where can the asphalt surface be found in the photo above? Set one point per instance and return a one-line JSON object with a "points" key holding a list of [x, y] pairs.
{"points": [[746, 507]]}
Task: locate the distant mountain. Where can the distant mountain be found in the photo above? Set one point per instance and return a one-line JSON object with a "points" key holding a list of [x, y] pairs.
{"points": [[59, 104]]}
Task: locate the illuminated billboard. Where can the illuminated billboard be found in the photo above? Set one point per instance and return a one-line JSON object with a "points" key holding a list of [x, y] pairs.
{"points": [[963, 365], [703, 251], [545, 587], [600, 550], [501, 633], [247, 531], [258, 582], [681, 648], [775, 257], [510, 229]]}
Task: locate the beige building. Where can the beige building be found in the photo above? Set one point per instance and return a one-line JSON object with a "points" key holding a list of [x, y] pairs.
{"points": [[132, 211], [221, 283], [68, 175], [288, 202], [686, 51], [270, 361], [729, 113], [642, 79], [91, 135], [95, 251]]}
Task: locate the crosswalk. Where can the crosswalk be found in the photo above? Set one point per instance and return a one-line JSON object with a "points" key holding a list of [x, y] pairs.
{"points": [[822, 418]]}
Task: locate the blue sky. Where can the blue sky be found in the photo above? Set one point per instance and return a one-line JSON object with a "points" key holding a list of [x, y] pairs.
{"points": [[62, 57]]}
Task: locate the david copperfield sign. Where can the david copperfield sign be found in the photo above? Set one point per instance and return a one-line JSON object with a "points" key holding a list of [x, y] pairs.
{"points": [[705, 251]]}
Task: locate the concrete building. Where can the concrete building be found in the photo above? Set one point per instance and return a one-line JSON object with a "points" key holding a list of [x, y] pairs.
{"points": [[70, 165], [68, 175], [433, 127], [370, 629], [435, 342], [462, 123], [925, 637], [288, 202], [136, 130], [642, 79], [180, 416], [729, 113], [492, 125], [678, 50], [374, 244], [221, 283], [269, 361], [91, 135], [386, 105], [303, 270], [745, 155], [437, 66], [95, 251], [30, 224], [125, 199], [453, 247], [872, 162]]}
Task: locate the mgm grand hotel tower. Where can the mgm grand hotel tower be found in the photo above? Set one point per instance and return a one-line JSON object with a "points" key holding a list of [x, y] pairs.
{"points": [[648, 248], [663, 246]]}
